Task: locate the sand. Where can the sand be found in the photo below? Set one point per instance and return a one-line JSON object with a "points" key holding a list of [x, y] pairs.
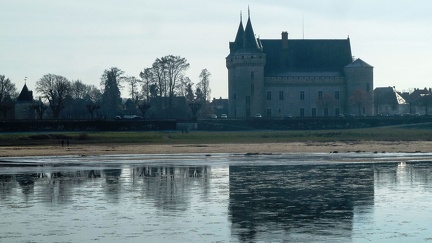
{"points": [[297, 147]]}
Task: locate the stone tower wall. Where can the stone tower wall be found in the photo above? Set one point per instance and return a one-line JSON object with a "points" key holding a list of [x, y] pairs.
{"points": [[359, 80], [246, 84]]}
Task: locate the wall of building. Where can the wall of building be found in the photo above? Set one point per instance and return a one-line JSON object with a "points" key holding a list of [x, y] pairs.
{"points": [[304, 96]]}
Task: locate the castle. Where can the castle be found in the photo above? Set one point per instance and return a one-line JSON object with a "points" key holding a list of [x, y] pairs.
{"points": [[296, 77]]}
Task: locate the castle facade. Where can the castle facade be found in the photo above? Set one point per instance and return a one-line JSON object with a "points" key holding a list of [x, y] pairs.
{"points": [[296, 77]]}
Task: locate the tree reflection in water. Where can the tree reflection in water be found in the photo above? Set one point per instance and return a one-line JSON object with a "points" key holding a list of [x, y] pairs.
{"points": [[239, 202]]}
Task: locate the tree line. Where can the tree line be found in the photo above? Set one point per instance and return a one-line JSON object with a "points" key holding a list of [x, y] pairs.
{"points": [[156, 87]]}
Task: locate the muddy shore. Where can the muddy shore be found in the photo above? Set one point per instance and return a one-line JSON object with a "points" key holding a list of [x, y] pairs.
{"points": [[292, 147]]}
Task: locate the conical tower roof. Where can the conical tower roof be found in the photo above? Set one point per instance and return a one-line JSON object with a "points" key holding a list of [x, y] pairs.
{"points": [[250, 42], [239, 40], [25, 95]]}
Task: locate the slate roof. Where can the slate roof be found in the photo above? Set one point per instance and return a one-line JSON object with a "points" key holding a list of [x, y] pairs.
{"points": [[26, 95], [306, 56], [388, 96]]}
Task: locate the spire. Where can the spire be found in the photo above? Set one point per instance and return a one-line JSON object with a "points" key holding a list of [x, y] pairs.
{"points": [[250, 41], [240, 35], [26, 95]]}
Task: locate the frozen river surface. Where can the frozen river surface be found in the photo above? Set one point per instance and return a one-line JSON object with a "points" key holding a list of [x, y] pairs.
{"points": [[217, 198]]}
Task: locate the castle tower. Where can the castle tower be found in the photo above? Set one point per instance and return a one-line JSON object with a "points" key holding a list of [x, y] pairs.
{"points": [[359, 88], [245, 65], [23, 103]]}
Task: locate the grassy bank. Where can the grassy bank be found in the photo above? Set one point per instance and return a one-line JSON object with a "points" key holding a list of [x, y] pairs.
{"points": [[198, 137]]}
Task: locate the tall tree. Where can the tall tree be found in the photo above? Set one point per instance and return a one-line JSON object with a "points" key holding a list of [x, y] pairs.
{"points": [[111, 97], [147, 81], [182, 87], [55, 89], [199, 95], [190, 96], [93, 100], [204, 84], [160, 76], [133, 86], [175, 68], [8, 93], [78, 89], [168, 72]]}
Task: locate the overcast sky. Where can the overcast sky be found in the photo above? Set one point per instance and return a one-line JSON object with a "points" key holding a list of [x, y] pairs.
{"points": [[79, 39]]}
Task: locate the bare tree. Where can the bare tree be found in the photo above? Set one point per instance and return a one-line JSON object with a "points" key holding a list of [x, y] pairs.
{"points": [[8, 94], [39, 107], [204, 84], [54, 88], [326, 102], [93, 99], [133, 86], [359, 100], [168, 71], [147, 81], [175, 68], [78, 89], [160, 76]]}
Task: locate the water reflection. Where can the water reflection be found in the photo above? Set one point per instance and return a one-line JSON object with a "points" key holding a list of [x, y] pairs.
{"points": [[242, 202], [315, 200]]}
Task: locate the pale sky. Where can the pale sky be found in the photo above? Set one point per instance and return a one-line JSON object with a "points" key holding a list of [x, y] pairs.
{"points": [[79, 39]]}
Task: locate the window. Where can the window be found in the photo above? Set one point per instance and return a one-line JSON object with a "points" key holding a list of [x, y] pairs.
{"points": [[281, 95], [234, 96], [252, 75], [367, 87], [336, 95], [314, 112], [302, 112], [302, 95], [337, 112], [364, 110], [269, 112], [252, 89], [247, 112], [268, 95], [247, 100], [320, 95]]}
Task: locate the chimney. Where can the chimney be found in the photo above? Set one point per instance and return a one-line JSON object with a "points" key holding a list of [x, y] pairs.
{"points": [[284, 40]]}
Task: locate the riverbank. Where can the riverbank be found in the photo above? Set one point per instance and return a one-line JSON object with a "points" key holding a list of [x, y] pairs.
{"points": [[287, 147]]}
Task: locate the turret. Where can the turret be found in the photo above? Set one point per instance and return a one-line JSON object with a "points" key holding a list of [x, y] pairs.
{"points": [[359, 88], [245, 65]]}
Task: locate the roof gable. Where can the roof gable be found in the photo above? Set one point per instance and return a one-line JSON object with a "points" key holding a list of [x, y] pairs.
{"points": [[359, 63]]}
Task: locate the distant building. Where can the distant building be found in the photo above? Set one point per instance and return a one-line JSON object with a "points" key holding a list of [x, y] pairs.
{"points": [[420, 101], [389, 102], [219, 106], [298, 77], [23, 104]]}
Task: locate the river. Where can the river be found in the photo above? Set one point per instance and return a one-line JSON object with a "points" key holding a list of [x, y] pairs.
{"points": [[345, 197]]}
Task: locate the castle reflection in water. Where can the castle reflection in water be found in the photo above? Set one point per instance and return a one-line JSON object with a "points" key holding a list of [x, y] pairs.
{"points": [[300, 199]]}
